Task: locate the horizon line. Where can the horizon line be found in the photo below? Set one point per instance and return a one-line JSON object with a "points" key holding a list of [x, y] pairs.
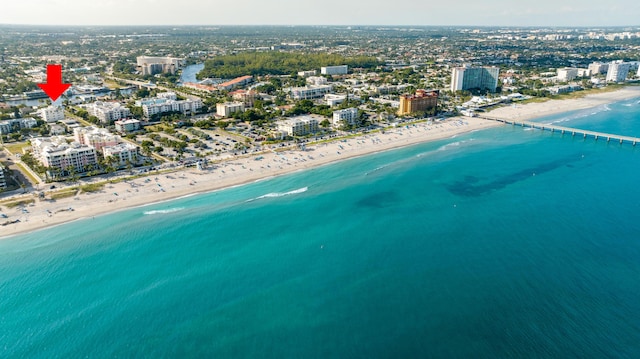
{"points": [[319, 25]]}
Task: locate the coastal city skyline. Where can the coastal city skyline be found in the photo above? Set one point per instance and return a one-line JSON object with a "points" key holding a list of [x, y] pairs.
{"points": [[332, 12], [318, 191]]}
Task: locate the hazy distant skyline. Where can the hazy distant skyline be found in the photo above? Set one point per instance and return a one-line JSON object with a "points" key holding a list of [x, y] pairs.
{"points": [[327, 12]]}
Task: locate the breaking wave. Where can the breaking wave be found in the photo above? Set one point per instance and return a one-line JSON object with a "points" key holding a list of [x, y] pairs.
{"points": [[163, 211], [280, 194]]}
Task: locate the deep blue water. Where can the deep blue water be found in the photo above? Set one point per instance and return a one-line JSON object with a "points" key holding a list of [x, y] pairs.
{"points": [[499, 243]]}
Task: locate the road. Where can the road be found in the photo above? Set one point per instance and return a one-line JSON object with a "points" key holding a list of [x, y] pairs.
{"points": [[11, 162]]}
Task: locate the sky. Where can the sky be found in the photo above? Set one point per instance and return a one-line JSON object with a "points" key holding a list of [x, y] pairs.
{"points": [[324, 12]]}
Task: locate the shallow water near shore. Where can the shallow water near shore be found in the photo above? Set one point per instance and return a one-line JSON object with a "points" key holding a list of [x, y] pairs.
{"points": [[499, 243]]}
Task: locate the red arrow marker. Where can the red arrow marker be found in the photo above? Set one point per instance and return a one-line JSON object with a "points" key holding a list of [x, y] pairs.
{"points": [[54, 86]]}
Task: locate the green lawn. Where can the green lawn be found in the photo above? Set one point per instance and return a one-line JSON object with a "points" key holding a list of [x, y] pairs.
{"points": [[16, 148]]}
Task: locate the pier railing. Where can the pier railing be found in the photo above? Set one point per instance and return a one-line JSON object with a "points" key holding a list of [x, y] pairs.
{"points": [[567, 130]]}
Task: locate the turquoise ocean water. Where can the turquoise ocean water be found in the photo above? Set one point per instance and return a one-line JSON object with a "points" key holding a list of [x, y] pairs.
{"points": [[499, 243]]}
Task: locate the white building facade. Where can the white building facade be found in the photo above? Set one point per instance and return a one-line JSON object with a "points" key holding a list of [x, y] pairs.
{"points": [[166, 102], [124, 153], [468, 77], [154, 65], [108, 112], [347, 116], [227, 108], [333, 100], [60, 157], [127, 125], [298, 126], [52, 113], [97, 138], [316, 80], [618, 71], [309, 92], [598, 68], [334, 70], [567, 74], [15, 125], [307, 73]]}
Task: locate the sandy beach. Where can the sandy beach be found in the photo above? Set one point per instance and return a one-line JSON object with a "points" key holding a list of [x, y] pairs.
{"points": [[163, 186], [541, 109]]}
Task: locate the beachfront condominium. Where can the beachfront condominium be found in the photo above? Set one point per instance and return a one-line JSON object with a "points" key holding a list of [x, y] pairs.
{"points": [[567, 74], [125, 153], [474, 78], [60, 157], [420, 102], [334, 70], [155, 65], [298, 126], [598, 68], [52, 113], [618, 71], [108, 112], [347, 116]]}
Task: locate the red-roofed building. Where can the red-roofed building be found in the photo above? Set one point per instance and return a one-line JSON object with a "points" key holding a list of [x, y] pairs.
{"points": [[237, 82]]}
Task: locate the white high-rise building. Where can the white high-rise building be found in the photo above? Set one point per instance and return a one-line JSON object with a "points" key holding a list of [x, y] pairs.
{"points": [[52, 113], [618, 71], [468, 78], [155, 65]]}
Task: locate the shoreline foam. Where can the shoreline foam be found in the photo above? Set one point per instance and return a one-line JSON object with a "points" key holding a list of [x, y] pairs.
{"points": [[237, 172]]}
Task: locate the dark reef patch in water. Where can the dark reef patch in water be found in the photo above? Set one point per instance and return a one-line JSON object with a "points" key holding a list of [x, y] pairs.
{"points": [[379, 199], [469, 187]]}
